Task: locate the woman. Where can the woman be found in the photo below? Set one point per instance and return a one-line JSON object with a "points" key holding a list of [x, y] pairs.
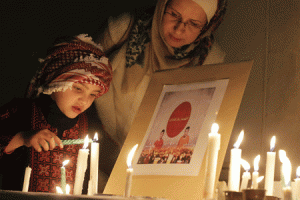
{"points": [[178, 34]]}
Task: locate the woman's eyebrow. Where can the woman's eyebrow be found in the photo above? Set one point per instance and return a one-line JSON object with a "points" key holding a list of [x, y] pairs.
{"points": [[181, 15]]}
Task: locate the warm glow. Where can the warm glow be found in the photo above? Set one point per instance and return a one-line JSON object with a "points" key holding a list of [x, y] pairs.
{"points": [[96, 137], [272, 143], [245, 165], [130, 155], [259, 179], [282, 155], [215, 128], [239, 140], [68, 189], [286, 167], [298, 172], [256, 163], [65, 162], [86, 142], [59, 190]]}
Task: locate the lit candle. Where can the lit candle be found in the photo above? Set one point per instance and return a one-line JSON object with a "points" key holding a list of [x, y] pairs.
{"points": [[81, 167], [129, 171], [286, 169], [59, 190], [212, 150], [26, 179], [68, 189], [255, 172], [63, 176], [234, 167], [93, 183], [246, 175], [259, 179], [297, 183], [270, 168]]}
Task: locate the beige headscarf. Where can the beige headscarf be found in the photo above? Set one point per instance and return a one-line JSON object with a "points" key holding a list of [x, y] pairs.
{"points": [[157, 53]]}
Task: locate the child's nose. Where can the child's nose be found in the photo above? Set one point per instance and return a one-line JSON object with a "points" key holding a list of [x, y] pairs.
{"points": [[83, 99]]}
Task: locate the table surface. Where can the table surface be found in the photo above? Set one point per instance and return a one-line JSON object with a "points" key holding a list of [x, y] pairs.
{"points": [[17, 195]]}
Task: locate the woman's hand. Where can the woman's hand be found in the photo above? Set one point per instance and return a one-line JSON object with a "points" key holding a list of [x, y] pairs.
{"points": [[42, 140]]}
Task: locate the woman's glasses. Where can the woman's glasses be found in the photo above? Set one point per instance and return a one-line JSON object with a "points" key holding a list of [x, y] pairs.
{"points": [[192, 25]]}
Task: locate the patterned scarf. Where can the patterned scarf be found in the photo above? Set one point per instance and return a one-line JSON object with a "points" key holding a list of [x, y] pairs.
{"points": [[140, 36], [79, 60]]}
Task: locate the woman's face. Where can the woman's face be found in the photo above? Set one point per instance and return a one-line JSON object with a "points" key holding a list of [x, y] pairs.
{"points": [[182, 22]]}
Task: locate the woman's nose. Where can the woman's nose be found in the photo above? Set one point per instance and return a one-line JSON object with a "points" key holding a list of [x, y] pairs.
{"points": [[180, 27]]}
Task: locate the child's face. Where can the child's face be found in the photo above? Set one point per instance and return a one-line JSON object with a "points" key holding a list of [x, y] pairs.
{"points": [[74, 101]]}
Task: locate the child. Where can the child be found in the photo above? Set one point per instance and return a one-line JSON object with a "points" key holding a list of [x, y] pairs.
{"points": [[73, 75]]}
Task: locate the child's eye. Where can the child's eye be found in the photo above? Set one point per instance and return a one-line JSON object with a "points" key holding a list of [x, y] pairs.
{"points": [[77, 88]]}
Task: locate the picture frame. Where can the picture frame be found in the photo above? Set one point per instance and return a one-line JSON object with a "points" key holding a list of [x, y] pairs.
{"points": [[176, 139], [180, 187]]}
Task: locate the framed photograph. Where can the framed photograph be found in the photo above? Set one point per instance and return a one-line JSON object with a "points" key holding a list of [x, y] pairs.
{"points": [[172, 102], [176, 139]]}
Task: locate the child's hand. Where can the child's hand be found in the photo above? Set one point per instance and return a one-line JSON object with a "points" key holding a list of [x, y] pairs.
{"points": [[43, 139]]}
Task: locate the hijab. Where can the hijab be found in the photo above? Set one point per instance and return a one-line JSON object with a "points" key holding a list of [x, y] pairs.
{"points": [[147, 49]]}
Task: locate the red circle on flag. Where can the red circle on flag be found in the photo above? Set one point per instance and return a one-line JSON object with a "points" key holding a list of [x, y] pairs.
{"points": [[178, 119]]}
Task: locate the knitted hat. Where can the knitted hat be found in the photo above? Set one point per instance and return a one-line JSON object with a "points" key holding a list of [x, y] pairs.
{"points": [[209, 7], [79, 60]]}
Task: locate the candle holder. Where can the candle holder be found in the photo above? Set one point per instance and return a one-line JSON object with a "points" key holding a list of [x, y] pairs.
{"points": [[254, 194], [233, 195], [272, 198]]}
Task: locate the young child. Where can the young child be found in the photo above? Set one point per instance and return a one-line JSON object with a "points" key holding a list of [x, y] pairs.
{"points": [[73, 75]]}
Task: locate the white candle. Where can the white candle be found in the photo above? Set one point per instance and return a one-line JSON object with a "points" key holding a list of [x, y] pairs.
{"points": [[129, 171], [234, 167], [255, 173], [93, 183], [270, 168], [26, 179], [63, 176], [246, 175], [81, 167], [212, 150], [297, 184], [286, 169]]}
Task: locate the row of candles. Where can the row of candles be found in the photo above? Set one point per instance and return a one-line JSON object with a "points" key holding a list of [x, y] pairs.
{"points": [[81, 168], [236, 161], [213, 147]]}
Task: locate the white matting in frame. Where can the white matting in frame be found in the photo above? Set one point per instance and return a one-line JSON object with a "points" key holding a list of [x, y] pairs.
{"points": [[180, 150]]}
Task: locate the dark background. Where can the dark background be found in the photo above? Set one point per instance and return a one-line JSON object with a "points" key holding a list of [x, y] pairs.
{"points": [[29, 27]]}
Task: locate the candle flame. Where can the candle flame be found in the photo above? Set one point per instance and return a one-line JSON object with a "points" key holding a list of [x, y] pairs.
{"points": [[245, 165], [272, 143], [239, 140], [298, 172], [286, 167], [214, 128], [282, 155], [130, 155], [68, 189], [96, 137], [256, 161], [65, 162], [59, 190], [86, 142], [259, 179]]}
